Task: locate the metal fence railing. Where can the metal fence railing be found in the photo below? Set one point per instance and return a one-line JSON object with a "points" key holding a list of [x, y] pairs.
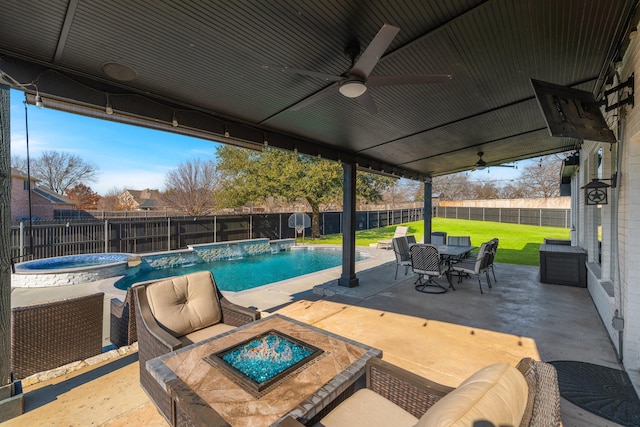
{"points": [[156, 234], [43, 239]]}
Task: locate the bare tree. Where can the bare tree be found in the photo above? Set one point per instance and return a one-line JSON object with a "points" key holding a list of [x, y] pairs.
{"points": [[109, 201], [19, 162], [62, 171], [485, 190], [191, 187], [512, 191], [456, 186], [542, 179]]}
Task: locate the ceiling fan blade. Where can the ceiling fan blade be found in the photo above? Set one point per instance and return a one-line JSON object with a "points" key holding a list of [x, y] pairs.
{"points": [[285, 69], [372, 54], [366, 101], [374, 81], [323, 93]]}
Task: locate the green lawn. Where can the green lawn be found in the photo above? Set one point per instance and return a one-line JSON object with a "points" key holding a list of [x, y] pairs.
{"points": [[519, 244]]}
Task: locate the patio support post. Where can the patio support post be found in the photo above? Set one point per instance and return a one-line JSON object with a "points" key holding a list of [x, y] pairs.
{"points": [[428, 210], [348, 278], [11, 398]]}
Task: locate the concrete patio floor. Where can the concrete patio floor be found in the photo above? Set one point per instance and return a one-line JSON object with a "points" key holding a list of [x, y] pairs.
{"points": [[444, 337]]}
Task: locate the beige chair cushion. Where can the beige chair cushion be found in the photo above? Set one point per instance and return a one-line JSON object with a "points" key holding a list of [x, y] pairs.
{"points": [[204, 333], [186, 303], [367, 408], [497, 394]]}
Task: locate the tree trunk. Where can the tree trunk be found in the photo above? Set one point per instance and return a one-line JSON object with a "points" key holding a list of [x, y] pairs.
{"points": [[315, 220], [5, 243]]}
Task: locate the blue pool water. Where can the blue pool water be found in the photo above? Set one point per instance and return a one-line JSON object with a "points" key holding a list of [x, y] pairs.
{"points": [[252, 271], [73, 261]]}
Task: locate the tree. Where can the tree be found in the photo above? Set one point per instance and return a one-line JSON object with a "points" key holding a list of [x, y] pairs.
{"points": [[191, 187], [62, 171], [83, 197], [485, 190], [250, 176], [542, 179], [456, 186], [19, 162], [109, 201]]}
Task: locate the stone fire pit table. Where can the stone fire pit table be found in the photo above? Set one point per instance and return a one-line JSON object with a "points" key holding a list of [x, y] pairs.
{"points": [[205, 393]]}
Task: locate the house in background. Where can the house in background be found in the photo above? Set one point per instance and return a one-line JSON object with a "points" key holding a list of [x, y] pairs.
{"points": [[146, 200], [44, 202]]}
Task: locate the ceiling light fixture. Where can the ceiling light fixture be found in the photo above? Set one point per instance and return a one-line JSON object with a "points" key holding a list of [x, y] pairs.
{"points": [[119, 72], [352, 88], [226, 131], [108, 109], [38, 99], [174, 120]]}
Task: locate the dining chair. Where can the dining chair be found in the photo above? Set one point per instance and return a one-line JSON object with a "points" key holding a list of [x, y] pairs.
{"points": [[460, 241], [401, 250], [493, 248], [438, 238], [475, 266], [426, 262]]}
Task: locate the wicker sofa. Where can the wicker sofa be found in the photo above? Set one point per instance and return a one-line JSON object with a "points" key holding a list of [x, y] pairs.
{"points": [[176, 312], [49, 335], [497, 395]]}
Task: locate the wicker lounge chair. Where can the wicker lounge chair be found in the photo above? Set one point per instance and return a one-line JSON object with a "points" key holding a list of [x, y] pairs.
{"points": [[161, 331], [123, 320], [394, 396], [53, 334], [401, 231]]}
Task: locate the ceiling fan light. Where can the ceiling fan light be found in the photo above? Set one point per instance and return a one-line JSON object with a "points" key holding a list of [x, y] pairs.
{"points": [[352, 89]]}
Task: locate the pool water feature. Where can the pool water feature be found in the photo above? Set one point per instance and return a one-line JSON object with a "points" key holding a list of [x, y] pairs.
{"points": [[238, 274]]}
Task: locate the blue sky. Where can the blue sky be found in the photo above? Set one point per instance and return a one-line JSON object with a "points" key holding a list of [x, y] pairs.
{"points": [[128, 156]]}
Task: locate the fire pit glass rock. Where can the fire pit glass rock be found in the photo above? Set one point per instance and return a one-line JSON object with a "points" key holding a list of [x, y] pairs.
{"points": [[263, 360]]}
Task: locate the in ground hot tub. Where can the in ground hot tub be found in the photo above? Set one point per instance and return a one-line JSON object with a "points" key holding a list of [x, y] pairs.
{"points": [[70, 270]]}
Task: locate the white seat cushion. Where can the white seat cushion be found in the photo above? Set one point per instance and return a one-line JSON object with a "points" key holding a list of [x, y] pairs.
{"points": [[368, 409], [186, 303], [497, 394]]}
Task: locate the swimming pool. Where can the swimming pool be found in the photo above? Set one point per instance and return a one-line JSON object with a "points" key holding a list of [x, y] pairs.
{"points": [[252, 271]]}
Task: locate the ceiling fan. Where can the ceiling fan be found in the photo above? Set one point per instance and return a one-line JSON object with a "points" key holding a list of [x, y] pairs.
{"points": [[481, 164], [356, 81]]}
